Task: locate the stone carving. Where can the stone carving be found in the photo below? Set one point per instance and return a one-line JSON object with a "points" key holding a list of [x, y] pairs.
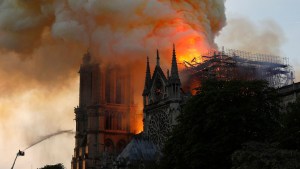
{"points": [[159, 127]]}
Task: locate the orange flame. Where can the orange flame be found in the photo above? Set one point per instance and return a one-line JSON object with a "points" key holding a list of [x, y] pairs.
{"points": [[190, 50], [191, 55], [139, 127]]}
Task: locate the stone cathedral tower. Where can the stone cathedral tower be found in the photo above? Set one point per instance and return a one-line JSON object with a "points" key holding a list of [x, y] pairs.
{"points": [[104, 117]]}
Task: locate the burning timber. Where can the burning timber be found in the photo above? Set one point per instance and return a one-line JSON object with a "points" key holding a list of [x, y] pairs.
{"points": [[237, 65]]}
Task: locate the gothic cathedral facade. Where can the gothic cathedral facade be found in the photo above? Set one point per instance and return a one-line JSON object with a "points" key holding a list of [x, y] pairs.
{"points": [[162, 98]]}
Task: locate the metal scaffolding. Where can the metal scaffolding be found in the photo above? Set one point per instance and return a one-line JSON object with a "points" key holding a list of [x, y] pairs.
{"points": [[233, 64]]}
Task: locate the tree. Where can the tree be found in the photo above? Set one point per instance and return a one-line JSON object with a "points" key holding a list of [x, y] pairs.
{"points": [[215, 122], [290, 133], [255, 155], [56, 166]]}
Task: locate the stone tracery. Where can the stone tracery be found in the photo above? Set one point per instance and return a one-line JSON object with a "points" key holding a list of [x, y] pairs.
{"points": [[159, 127]]}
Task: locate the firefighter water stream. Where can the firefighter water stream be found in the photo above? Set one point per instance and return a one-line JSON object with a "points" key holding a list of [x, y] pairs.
{"points": [[43, 138], [49, 136]]}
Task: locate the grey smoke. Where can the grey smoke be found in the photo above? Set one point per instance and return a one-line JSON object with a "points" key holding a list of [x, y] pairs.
{"points": [[243, 34]]}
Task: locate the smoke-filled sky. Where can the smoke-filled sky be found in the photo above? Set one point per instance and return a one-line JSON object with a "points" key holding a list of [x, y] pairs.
{"points": [[268, 26], [42, 43]]}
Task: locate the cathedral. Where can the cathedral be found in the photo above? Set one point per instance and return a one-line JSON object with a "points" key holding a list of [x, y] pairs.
{"points": [[104, 117]]}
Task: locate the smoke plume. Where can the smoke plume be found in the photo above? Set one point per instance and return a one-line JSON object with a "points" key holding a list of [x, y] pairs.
{"points": [[41, 46], [243, 34]]}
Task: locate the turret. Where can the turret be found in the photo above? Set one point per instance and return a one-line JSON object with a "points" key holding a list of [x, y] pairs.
{"points": [[86, 59], [147, 82], [174, 68], [174, 81], [89, 82]]}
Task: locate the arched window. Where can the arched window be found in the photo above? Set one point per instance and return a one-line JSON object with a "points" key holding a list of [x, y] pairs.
{"points": [[108, 83], [120, 146], [119, 88], [108, 120], [109, 146]]}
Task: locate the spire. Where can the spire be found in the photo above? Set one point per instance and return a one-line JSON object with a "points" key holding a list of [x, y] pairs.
{"points": [[174, 68], [157, 58], [148, 77], [148, 74]]}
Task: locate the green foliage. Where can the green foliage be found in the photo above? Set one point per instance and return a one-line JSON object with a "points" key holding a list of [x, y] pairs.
{"points": [[290, 134], [56, 166], [255, 155], [215, 123]]}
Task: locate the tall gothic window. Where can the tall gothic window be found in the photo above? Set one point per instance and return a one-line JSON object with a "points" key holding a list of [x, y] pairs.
{"points": [[107, 85], [118, 90], [114, 121], [108, 121], [119, 121]]}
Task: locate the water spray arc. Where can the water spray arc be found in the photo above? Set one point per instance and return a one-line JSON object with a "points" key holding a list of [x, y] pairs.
{"points": [[22, 153], [49, 136]]}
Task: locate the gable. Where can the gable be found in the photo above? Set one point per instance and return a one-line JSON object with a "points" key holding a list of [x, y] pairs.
{"points": [[158, 73], [158, 89]]}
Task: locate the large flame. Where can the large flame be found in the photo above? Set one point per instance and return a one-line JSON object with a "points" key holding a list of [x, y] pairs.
{"points": [[191, 45], [139, 127], [191, 55]]}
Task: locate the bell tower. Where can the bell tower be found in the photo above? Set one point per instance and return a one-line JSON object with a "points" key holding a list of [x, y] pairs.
{"points": [[104, 115]]}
